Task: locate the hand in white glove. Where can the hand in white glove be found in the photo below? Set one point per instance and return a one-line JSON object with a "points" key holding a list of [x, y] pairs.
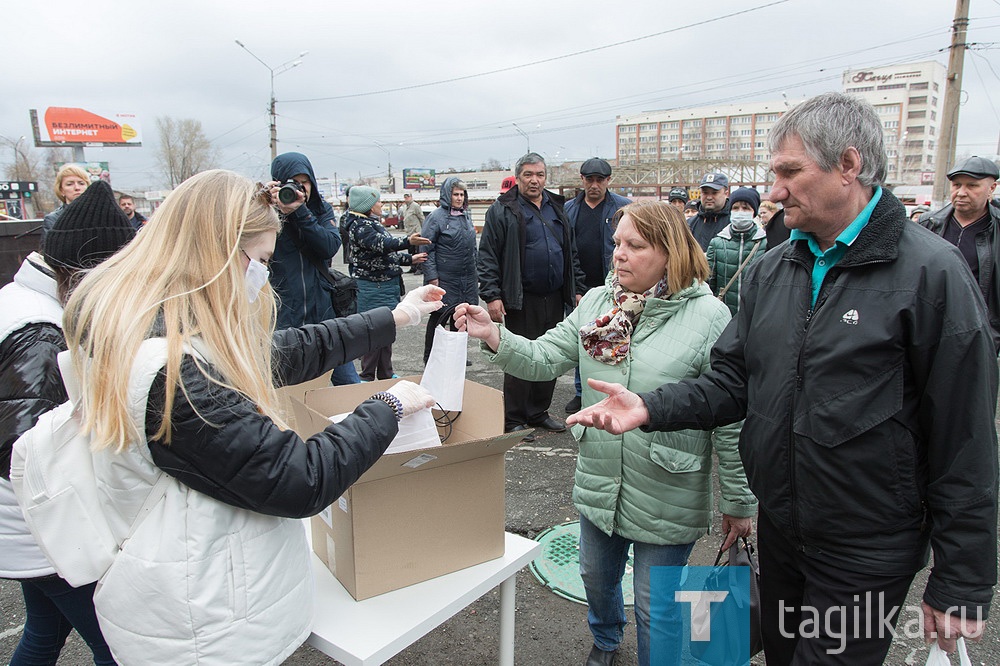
{"points": [[417, 303], [413, 397]]}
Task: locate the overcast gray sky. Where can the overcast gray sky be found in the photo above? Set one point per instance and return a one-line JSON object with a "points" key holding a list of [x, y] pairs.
{"points": [[180, 59]]}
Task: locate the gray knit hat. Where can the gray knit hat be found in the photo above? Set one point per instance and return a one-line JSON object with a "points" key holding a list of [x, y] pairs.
{"points": [[361, 198], [91, 229]]}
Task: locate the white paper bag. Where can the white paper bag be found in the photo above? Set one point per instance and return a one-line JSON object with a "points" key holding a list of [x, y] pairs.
{"points": [[444, 373], [938, 657], [416, 431]]}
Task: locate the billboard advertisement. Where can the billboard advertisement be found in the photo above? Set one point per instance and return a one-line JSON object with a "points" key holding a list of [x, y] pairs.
{"points": [[418, 179], [96, 170], [66, 126]]}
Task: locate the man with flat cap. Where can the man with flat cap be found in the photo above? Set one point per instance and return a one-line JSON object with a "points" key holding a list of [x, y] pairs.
{"points": [[590, 214], [713, 216], [972, 224]]}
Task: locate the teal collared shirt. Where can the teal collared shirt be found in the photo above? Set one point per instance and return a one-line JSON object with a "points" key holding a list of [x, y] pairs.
{"points": [[827, 260]]}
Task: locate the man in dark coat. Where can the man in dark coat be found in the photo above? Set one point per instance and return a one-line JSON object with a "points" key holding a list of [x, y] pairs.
{"points": [[870, 439], [972, 224], [529, 273], [713, 213], [590, 214]]}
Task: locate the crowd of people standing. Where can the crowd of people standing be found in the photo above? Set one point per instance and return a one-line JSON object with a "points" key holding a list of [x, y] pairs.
{"points": [[808, 345]]}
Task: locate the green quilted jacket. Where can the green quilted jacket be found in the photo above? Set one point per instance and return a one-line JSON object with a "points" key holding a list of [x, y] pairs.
{"points": [[653, 487], [725, 254]]}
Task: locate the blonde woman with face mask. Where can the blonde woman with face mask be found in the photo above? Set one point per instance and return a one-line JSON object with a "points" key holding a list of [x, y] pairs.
{"points": [[174, 345]]}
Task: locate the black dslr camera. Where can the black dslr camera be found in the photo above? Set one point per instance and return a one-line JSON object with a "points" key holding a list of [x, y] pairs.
{"points": [[289, 191]]}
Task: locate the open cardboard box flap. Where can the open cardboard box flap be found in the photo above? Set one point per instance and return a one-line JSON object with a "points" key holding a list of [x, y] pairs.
{"points": [[417, 514], [479, 427]]}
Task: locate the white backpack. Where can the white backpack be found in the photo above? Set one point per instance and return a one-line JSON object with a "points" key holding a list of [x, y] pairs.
{"points": [[52, 471]]}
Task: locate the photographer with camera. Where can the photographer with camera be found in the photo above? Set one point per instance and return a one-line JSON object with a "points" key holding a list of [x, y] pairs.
{"points": [[308, 241]]}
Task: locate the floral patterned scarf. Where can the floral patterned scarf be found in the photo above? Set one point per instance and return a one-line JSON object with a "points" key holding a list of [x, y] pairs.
{"points": [[607, 338]]}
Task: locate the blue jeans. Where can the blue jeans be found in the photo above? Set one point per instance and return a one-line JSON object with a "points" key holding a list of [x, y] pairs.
{"points": [[345, 374], [578, 382], [602, 565], [53, 608]]}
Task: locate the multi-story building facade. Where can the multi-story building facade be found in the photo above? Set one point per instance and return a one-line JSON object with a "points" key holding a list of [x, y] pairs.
{"points": [[909, 99], [731, 133]]}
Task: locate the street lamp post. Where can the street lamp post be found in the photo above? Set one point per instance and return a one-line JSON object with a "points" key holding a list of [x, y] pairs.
{"points": [[280, 69], [388, 155], [527, 140]]}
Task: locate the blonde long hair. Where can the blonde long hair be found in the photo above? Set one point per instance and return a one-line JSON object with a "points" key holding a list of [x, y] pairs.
{"points": [[181, 278]]}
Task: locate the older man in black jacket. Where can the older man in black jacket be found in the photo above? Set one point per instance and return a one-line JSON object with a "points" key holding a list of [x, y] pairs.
{"points": [[972, 224], [529, 273], [869, 436]]}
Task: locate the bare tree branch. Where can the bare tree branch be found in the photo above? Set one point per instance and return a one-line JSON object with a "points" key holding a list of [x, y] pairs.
{"points": [[184, 150]]}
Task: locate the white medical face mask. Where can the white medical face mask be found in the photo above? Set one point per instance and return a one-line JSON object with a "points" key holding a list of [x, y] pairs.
{"points": [[741, 219], [256, 278]]}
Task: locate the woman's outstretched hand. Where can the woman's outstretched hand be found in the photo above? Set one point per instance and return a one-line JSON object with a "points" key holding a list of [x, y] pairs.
{"points": [[620, 412], [478, 323]]}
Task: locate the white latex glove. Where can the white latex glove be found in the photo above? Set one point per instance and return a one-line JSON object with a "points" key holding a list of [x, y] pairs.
{"points": [[413, 397], [422, 300]]}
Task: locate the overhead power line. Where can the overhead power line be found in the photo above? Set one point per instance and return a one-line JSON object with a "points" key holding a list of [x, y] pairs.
{"points": [[540, 62]]}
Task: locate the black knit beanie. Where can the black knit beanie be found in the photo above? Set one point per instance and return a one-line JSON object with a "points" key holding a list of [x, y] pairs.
{"points": [[91, 229]]}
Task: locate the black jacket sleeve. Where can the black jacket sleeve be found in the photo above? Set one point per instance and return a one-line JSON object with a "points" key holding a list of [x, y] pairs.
{"points": [[716, 398], [491, 245], [30, 383], [223, 447], [306, 352]]}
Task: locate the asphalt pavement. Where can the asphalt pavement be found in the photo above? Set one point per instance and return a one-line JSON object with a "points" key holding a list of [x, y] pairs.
{"points": [[550, 630]]}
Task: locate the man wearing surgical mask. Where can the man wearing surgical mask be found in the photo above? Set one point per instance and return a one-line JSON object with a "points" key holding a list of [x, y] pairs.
{"points": [[738, 245]]}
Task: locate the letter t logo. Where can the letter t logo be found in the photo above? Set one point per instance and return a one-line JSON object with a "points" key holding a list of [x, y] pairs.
{"points": [[701, 605]]}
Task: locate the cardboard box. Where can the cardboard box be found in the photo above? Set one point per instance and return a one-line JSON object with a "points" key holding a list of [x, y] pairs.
{"points": [[414, 515]]}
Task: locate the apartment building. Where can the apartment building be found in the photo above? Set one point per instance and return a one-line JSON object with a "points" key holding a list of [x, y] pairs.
{"points": [[731, 133], [909, 99]]}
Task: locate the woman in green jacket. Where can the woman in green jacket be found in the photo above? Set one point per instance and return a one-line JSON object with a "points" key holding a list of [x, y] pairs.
{"points": [[655, 320]]}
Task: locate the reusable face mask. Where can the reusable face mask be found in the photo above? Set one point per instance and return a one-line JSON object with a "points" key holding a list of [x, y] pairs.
{"points": [[741, 219], [256, 278]]}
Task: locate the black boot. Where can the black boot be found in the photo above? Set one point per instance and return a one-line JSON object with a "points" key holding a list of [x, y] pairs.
{"points": [[599, 657]]}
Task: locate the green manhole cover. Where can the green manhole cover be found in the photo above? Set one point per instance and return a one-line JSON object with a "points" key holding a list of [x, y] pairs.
{"points": [[558, 567]]}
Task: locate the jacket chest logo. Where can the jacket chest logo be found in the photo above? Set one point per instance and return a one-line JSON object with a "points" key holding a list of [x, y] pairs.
{"points": [[851, 317]]}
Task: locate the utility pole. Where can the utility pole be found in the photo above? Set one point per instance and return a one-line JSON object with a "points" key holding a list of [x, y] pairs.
{"points": [[274, 124], [280, 69], [952, 93]]}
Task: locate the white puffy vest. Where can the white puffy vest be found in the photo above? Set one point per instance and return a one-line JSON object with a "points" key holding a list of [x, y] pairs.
{"points": [[200, 581], [29, 299]]}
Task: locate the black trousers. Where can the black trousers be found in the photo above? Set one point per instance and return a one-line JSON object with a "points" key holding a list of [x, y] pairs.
{"points": [[528, 402], [847, 624], [377, 364]]}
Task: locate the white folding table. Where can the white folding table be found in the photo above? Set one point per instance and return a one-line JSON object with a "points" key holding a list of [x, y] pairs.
{"points": [[362, 633]]}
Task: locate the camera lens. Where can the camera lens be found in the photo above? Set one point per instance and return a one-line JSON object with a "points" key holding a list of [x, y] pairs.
{"points": [[288, 194]]}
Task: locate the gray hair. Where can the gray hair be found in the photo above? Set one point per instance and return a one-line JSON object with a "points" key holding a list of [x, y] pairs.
{"points": [[530, 158], [828, 125]]}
